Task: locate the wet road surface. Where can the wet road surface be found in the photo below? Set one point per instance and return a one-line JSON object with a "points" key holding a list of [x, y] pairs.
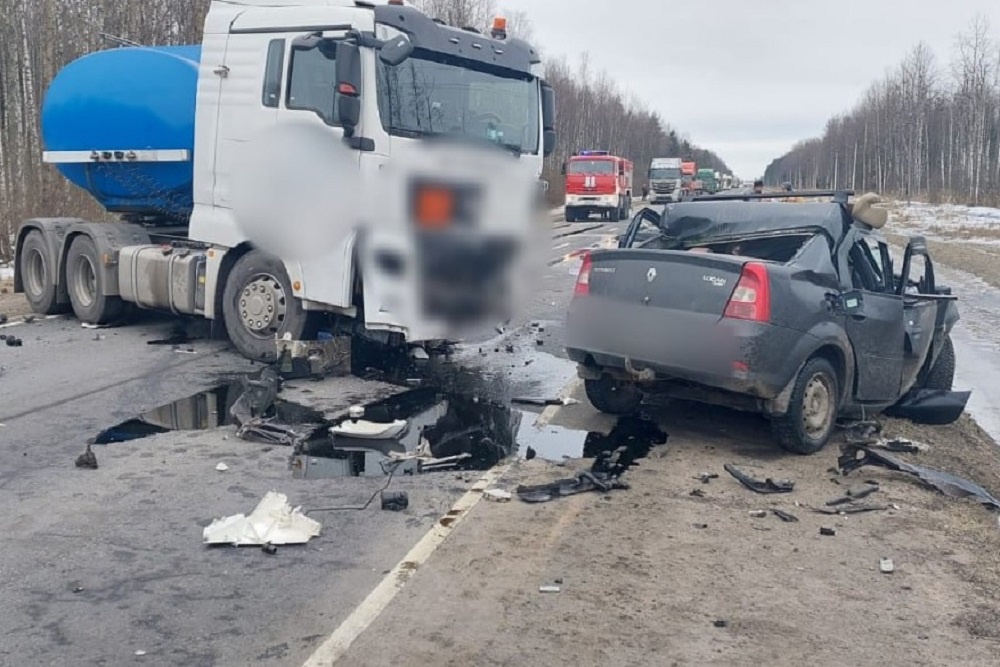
{"points": [[107, 566]]}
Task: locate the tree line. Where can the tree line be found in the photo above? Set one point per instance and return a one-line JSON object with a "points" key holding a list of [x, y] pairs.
{"points": [[924, 131], [39, 37]]}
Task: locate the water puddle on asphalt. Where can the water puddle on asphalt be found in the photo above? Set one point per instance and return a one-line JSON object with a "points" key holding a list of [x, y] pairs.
{"points": [[636, 434], [203, 411]]}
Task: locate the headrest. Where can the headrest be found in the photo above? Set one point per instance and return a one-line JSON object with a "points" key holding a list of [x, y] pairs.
{"points": [[863, 210]]}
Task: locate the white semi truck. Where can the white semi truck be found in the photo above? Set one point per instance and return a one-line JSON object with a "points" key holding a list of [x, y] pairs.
{"points": [[155, 135], [665, 179]]}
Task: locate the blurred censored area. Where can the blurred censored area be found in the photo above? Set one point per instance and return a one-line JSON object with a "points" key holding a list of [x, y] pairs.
{"points": [[448, 235]]}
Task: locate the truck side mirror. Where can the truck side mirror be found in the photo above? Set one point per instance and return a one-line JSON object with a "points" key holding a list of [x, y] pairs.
{"points": [[394, 51], [347, 96], [548, 119]]}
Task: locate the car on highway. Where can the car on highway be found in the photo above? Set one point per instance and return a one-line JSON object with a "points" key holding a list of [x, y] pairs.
{"points": [[797, 312]]}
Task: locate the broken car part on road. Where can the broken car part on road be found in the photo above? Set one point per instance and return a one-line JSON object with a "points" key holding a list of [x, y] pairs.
{"points": [[945, 482], [272, 522], [934, 407], [767, 486], [604, 475]]}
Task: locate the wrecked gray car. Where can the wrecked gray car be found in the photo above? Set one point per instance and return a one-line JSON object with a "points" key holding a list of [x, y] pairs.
{"points": [[793, 310]]}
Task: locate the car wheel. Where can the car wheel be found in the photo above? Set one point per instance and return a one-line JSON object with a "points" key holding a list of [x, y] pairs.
{"points": [[812, 411], [85, 283], [614, 397], [259, 306], [942, 374], [35, 266]]}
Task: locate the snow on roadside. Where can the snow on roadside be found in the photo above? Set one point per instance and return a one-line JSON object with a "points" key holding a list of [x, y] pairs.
{"points": [[948, 222], [6, 272]]}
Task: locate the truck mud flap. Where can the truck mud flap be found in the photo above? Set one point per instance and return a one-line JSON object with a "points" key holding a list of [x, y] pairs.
{"points": [[935, 407]]}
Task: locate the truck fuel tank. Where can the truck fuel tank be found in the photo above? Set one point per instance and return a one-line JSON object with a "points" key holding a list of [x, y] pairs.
{"points": [[153, 276]]}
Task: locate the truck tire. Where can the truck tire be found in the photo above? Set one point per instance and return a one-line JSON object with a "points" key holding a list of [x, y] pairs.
{"points": [[259, 307], [613, 397], [85, 284], [942, 373], [615, 214], [35, 267], [570, 215], [812, 410]]}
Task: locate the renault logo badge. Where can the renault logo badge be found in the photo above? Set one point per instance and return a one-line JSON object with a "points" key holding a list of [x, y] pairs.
{"points": [[650, 275]]}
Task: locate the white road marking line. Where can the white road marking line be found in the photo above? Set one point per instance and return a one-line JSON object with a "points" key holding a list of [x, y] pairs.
{"points": [[561, 246], [378, 600]]}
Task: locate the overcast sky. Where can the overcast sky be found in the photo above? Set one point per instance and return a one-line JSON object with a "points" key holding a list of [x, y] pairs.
{"points": [[744, 78]]}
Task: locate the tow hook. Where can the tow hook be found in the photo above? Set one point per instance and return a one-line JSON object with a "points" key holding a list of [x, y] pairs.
{"points": [[644, 375]]}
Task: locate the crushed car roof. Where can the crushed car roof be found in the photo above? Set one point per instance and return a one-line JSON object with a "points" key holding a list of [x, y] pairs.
{"points": [[697, 220]]}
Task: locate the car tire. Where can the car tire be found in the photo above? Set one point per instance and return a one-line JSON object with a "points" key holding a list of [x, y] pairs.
{"points": [[942, 373], [85, 284], [812, 410], [35, 267], [613, 397], [259, 307]]}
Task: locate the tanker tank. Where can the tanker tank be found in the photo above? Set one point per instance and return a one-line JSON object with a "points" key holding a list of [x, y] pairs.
{"points": [[127, 99]]}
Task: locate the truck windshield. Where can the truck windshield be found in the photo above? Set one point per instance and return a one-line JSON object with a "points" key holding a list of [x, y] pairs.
{"points": [[432, 93], [590, 167], [659, 174]]}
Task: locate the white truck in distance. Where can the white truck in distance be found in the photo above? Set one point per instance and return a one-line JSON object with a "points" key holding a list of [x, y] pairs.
{"points": [[665, 180], [156, 135]]}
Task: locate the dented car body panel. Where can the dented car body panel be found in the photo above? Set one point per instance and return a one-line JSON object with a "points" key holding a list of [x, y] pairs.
{"points": [[655, 309]]}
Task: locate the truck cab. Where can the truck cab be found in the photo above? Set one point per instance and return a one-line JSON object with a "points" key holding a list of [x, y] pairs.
{"points": [[597, 182], [422, 216], [665, 183]]}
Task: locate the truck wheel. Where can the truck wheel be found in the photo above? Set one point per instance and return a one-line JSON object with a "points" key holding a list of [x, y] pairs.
{"points": [[812, 411], [614, 397], [570, 215], [942, 375], [85, 284], [615, 214], [259, 307], [35, 268]]}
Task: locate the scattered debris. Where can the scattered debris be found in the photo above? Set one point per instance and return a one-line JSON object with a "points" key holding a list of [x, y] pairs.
{"points": [[901, 445], [28, 319], [931, 406], [767, 486], [3, 318], [544, 401], [700, 526], [316, 358], [758, 514], [604, 475], [273, 521], [87, 459], [184, 350], [827, 531], [698, 493], [13, 341], [221, 467], [269, 431], [530, 453], [854, 493], [862, 433], [707, 477], [945, 482], [549, 589], [719, 623], [849, 509], [140, 653], [497, 495], [886, 566], [785, 516], [78, 589], [269, 549], [395, 501]]}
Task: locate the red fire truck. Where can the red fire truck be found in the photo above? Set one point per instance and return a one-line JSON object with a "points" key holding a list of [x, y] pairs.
{"points": [[598, 182]]}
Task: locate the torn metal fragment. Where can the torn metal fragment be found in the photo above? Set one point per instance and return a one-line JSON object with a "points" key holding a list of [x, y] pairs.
{"points": [[945, 482], [931, 406], [785, 516]]}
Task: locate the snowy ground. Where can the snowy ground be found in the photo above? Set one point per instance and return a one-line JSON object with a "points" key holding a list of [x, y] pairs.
{"points": [[948, 222]]}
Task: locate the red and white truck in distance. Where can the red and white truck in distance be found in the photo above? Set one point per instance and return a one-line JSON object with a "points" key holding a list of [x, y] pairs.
{"points": [[598, 182]]}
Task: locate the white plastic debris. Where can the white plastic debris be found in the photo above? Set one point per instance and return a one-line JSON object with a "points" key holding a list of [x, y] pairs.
{"points": [[569, 401], [272, 522], [140, 653], [497, 495], [369, 430], [221, 467], [886, 566], [548, 589]]}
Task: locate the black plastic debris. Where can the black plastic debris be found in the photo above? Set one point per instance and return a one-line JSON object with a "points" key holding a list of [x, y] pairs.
{"points": [[269, 549], [697, 493], [945, 482], [13, 341], [829, 532], [395, 501], [604, 476], [849, 509], [785, 516], [719, 623], [87, 460], [862, 433], [853, 494], [931, 406], [899, 445], [707, 477], [3, 318], [767, 486]]}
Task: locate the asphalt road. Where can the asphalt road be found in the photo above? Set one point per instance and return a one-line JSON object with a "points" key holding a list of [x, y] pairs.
{"points": [[107, 566]]}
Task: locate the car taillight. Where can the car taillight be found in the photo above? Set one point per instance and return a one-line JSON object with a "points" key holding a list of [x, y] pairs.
{"points": [[751, 300], [583, 278]]}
